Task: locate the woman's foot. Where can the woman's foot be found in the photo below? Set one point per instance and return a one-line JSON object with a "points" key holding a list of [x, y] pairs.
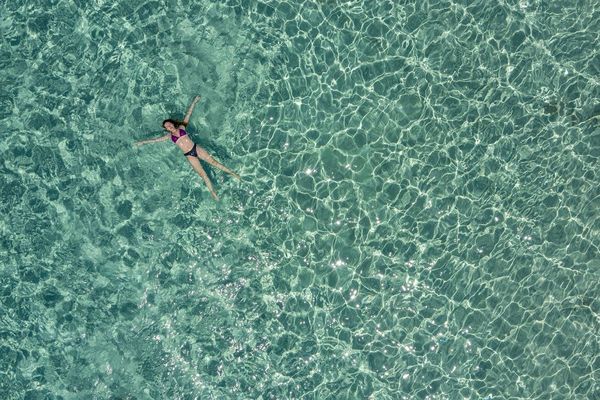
{"points": [[236, 176], [214, 195]]}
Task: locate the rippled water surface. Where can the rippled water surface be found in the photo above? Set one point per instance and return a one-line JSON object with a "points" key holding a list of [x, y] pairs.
{"points": [[418, 217]]}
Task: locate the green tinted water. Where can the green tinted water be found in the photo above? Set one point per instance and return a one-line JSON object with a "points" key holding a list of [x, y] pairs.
{"points": [[418, 217]]}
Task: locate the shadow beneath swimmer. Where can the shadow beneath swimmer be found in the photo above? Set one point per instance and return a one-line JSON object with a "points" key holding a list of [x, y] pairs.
{"points": [[219, 153]]}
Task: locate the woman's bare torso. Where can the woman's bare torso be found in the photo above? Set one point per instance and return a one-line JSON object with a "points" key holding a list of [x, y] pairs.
{"points": [[184, 142]]}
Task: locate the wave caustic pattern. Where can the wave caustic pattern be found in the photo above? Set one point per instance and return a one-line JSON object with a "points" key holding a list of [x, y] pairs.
{"points": [[417, 219]]}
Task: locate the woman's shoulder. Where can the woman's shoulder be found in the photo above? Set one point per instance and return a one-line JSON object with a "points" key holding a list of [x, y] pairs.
{"points": [[181, 127]]}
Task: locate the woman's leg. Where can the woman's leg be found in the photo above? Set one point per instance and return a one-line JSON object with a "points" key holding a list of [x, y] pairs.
{"points": [[203, 154], [198, 168]]}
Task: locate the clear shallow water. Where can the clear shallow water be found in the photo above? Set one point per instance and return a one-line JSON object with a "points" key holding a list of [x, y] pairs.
{"points": [[418, 218]]}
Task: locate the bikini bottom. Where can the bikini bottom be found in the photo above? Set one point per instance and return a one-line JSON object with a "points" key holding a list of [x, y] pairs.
{"points": [[192, 152]]}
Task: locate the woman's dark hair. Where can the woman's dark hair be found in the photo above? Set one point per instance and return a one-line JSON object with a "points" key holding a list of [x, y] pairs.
{"points": [[174, 122]]}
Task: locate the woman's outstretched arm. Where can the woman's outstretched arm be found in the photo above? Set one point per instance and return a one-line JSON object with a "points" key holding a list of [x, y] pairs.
{"points": [[189, 112], [158, 139]]}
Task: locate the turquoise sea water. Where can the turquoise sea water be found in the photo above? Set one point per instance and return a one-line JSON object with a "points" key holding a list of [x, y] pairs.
{"points": [[418, 217]]}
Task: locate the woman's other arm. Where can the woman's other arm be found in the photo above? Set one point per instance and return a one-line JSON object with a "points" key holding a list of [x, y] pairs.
{"points": [[191, 109], [158, 139]]}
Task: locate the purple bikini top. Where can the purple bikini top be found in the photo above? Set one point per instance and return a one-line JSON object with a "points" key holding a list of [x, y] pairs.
{"points": [[174, 138]]}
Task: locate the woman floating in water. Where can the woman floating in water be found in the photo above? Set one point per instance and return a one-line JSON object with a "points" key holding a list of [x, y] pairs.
{"points": [[191, 150]]}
